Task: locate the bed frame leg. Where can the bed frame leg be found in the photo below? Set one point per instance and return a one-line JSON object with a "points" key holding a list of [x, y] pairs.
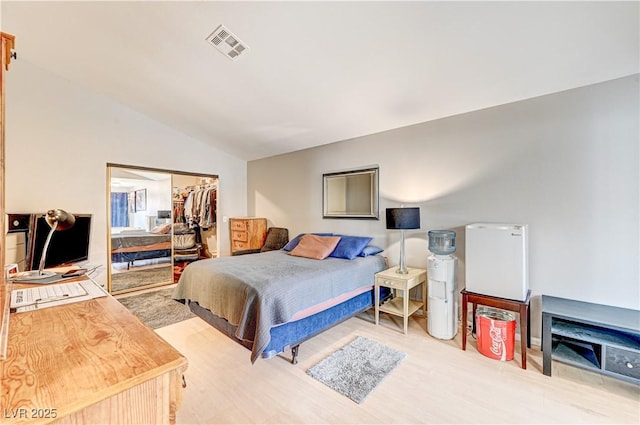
{"points": [[294, 354]]}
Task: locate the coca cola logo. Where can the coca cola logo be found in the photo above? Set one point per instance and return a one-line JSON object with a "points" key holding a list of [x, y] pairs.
{"points": [[498, 346]]}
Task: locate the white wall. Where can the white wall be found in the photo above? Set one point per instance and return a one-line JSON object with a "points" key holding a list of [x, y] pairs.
{"points": [[566, 164], [156, 199], [59, 138]]}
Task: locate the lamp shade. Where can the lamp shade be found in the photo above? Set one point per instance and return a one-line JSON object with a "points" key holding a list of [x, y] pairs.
{"points": [[60, 218], [403, 218]]}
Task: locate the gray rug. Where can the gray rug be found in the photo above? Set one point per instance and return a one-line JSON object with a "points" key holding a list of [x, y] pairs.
{"points": [[136, 278], [157, 308], [356, 369]]}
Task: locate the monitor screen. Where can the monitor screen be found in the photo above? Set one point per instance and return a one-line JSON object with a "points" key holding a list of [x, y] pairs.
{"points": [[164, 213], [66, 246]]}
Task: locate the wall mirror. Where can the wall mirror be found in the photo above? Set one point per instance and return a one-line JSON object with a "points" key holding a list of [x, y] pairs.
{"points": [[153, 230], [351, 194]]}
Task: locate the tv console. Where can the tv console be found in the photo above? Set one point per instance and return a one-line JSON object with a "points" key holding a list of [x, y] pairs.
{"points": [[595, 337]]}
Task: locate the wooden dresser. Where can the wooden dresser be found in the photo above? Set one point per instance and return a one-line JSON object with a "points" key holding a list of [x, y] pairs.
{"points": [[90, 362], [247, 234]]}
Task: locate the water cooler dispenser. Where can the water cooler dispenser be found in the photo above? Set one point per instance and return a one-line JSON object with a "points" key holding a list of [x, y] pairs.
{"points": [[441, 281]]}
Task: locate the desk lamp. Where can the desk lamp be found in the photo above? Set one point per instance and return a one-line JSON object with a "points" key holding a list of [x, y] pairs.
{"points": [[403, 219], [57, 220]]}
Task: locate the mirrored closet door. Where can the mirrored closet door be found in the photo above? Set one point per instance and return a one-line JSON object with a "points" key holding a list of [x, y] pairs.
{"points": [[160, 221]]}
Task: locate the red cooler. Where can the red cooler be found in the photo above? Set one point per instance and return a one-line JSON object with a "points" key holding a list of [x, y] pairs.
{"points": [[496, 333]]}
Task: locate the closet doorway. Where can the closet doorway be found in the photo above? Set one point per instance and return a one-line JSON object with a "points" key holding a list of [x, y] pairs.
{"points": [[159, 221]]}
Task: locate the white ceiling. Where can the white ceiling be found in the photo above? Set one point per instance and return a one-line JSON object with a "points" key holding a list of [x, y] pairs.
{"points": [[322, 72]]}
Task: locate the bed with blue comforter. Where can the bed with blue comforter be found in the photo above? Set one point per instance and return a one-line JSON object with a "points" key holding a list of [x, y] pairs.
{"points": [[273, 300], [132, 245]]}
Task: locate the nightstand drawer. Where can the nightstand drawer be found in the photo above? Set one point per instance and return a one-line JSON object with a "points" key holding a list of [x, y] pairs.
{"points": [[238, 235], [390, 283]]}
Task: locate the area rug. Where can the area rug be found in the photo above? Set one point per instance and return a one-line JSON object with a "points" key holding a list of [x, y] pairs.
{"points": [[136, 278], [157, 308], [357, 368]]}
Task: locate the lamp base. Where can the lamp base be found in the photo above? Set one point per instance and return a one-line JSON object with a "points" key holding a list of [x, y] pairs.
{"points": [[32, 275], [402, 267]]}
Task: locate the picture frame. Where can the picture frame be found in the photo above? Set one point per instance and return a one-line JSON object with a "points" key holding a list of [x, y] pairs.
{"points": [[131, 201], [141, 200], [10, 271]]}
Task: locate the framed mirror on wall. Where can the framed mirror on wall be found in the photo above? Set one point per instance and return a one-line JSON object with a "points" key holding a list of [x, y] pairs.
{"points": [[154, 228], [351, 194]]}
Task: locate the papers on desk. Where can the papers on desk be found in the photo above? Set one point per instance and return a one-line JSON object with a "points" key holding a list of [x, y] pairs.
{"points": [[34, 298]]}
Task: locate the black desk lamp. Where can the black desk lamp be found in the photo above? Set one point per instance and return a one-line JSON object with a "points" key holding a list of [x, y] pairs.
{"points": [[403, 219], [57, 220]]}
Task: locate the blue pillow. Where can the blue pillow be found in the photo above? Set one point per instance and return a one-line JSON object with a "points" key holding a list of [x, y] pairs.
{"points": [[350, 247], [295, 241], [370, 250]]}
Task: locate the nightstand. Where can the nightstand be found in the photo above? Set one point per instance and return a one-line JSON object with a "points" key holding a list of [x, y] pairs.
{"points": [[401, 306]]}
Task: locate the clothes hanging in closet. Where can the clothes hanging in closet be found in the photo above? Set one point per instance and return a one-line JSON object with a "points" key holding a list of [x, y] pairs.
{"points": [[200, 207]]}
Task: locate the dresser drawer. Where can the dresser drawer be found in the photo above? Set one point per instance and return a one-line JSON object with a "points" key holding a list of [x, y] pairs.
{"points": [[622, 362], [238, 225], [240, 235], [239, 246]]}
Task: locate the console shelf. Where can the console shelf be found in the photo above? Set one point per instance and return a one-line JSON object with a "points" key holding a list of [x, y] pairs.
{"points": [[595, 337]]}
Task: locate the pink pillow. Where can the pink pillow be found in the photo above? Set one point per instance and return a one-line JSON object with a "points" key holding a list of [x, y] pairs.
{"points": [[316, 247]]}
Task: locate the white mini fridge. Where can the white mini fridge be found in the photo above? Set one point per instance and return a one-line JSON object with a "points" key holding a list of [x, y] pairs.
{"points": [[496, 262]]}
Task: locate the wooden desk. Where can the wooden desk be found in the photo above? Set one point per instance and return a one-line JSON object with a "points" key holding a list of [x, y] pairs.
{"points": [[88, 362], [520, 307]]}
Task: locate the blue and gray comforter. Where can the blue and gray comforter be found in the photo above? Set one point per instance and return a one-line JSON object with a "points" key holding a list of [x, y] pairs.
{"points": [[258, 291]]}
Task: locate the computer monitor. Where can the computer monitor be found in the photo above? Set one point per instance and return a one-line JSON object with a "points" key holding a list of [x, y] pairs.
{"points": [[66, 246]]}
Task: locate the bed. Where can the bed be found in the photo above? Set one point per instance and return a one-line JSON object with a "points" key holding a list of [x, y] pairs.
{"points": [[131, 245], [272, 301]]}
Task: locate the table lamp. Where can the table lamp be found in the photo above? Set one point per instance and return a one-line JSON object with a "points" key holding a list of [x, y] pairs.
{"points": [[403, 219], [57, 220]]}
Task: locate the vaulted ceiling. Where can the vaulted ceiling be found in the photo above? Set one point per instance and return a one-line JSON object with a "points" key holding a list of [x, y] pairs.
{"points": [[322, 72]]}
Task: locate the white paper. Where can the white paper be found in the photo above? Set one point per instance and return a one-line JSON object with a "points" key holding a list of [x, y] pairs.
{"points": [[38, 297]]}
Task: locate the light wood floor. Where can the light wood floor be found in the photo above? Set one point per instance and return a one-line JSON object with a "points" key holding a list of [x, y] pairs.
{"points": [[436, 383]]}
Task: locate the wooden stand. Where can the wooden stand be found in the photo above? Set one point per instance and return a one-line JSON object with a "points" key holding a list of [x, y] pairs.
{"points": [[520, 307], [400, 306]]}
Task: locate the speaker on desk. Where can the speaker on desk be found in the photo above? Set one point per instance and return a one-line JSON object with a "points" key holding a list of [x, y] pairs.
{"points": [[18, 222]]}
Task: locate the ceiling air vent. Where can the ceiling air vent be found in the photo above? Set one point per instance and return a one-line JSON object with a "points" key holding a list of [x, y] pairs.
{"points": [[227, 43]]}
